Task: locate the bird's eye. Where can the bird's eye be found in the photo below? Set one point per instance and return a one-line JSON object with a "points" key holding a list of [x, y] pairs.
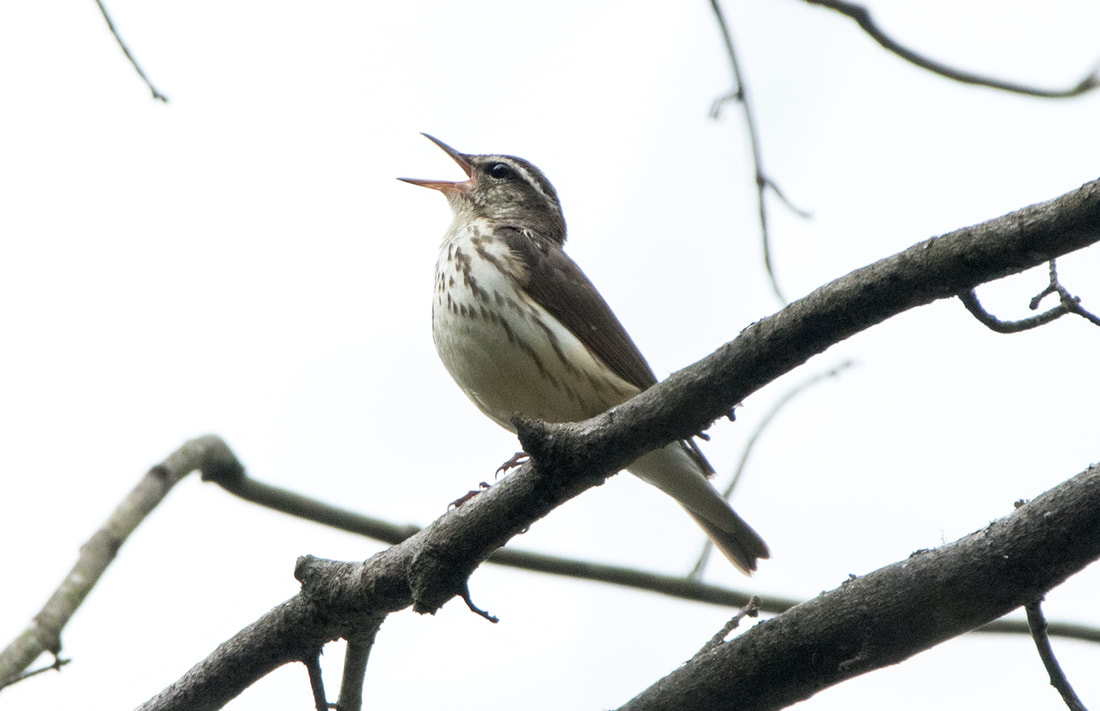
{"points": [[500, 171]]}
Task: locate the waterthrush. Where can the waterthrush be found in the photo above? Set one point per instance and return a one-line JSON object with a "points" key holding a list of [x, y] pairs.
{"points": [[522, 330]]}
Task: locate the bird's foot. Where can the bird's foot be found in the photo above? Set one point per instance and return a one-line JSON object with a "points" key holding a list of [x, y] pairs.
{"points": [[518, 459], [468, 495]]}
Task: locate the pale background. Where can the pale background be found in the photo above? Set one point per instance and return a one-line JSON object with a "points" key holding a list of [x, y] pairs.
{"points": [[242, 261]]}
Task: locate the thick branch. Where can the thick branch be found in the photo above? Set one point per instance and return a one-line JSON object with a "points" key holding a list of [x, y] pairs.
{"points": [[897, 611], [433, 565], [290, 632], [689, 400]]}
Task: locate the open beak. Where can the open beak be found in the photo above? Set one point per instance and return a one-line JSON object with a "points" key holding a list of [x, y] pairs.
{"points": [[444, 185]]}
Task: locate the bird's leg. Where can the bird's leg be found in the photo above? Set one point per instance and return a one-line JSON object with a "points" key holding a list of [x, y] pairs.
{"points": [[518, 459]]}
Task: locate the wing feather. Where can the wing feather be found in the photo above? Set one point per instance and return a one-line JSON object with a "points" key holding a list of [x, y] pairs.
{"points": [[557, 284]]}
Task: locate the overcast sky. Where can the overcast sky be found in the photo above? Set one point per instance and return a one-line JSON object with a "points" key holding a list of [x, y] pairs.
{"points": [[242, 261]]}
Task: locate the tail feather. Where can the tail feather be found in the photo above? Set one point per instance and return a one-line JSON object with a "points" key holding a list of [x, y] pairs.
{"points": [[736, 539], [682, 474]]}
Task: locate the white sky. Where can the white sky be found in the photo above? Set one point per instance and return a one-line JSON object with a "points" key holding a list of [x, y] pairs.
{"points": [[242, 261]]}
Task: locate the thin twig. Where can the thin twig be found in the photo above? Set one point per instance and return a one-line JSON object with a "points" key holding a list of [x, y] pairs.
{"points": [[800, 211], [671, 585], [1038, 624], [970, 301], [751, 609], [111, 26], [1068, 301], [740, 95], [355, 669], [58, 662], [697, 570], [1068, 304], [465, 595], [863, 18], [250, 489], [316, 681]]}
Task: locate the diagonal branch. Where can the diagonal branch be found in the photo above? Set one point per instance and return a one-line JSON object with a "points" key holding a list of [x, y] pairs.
{"points": [[895, 612], [209, 454], [126, 50], [689, 400], [863, 18], [1038, 624], [866, 623], [432, 566]]}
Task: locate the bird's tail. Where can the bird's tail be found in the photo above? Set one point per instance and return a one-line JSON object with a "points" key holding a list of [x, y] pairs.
{"points": [[736, 539], [682, 473]]}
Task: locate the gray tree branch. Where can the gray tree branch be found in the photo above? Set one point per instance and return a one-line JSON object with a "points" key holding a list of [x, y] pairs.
{"points": [[895, 612], [432, 566], [43, 634]]}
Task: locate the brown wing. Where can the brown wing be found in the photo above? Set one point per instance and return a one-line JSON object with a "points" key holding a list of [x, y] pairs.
{"points": [[558, 285]]}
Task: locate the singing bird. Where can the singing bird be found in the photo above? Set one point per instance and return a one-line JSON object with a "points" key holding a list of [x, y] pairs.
{"points": [[522, 330]]}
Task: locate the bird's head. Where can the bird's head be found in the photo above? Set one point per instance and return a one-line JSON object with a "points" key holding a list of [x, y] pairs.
{"points": [[500, 188]]}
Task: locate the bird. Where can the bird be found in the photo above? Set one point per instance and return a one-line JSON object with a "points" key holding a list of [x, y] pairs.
{"points": [[523, 331]]}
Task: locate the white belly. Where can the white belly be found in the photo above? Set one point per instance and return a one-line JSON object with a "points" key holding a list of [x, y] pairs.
{"points": [[504, 350]]}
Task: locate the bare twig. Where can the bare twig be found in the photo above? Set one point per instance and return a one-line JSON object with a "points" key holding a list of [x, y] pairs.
{"points": [[863, 18], [238, 482], [763, 182], [671, 585], [751, 609], [58, 662], [970, 301], [1038, 624], [209, 454], [1068, 304], [111, 26], [316, 681], [1068, 301], [304, 507], [355, 669], [697, 570], [465, 595]]}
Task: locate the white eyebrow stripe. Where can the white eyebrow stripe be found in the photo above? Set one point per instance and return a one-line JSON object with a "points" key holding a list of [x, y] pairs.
{"points": [[534, 179]]}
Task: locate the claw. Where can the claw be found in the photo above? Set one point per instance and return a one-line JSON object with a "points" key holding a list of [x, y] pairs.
{"points": [[467, 496], [518, 459]]}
